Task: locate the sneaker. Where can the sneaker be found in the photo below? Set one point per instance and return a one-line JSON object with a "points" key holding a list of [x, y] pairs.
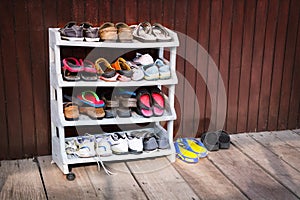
{"points": [[102, 147], [119, 144], [135, 144], [162, 139], [144, 60], [86, 146], [70, 147], [72, 32]]}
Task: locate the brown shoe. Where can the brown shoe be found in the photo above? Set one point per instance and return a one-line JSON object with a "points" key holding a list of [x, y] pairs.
{"points": [[71, 111], [92, 112]]}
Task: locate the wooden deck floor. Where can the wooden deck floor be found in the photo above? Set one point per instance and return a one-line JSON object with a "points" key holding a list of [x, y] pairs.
{"points": [[257, 166]]}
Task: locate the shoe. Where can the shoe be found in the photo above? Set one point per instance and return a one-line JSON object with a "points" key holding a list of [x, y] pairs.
{"points": [[143, 32], [124, 32], [110, 113], [89, 72], [163, 68], [162, 138], [211, 141], [70, 147], [184, 154], [122, 67], [195, 146], [102, 147], [138, 73], [224, 140], [160, 32], [144, 60], [92, 112], [71, 111], [151, 72], [72, 32], [111, 101], [71, 69], [104, 69], [124, 112], [108, 32], [86, 146], [135, 144], [119, 144], [90, 33]]}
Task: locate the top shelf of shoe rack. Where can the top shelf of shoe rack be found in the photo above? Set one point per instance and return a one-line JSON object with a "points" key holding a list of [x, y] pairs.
{"points": [[132, 45]]}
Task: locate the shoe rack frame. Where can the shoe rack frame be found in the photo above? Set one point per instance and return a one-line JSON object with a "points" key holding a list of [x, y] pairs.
{"points": [[58, 122]]}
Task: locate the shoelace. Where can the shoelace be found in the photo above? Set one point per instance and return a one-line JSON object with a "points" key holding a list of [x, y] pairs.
{"points": [[102, 164]]}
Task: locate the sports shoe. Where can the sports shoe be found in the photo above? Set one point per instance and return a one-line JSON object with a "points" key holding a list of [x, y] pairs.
{"points": [[72, 32], [90, 33], [102, 147], [119, 144], [141, 59], [135, 144], [86, 146]]}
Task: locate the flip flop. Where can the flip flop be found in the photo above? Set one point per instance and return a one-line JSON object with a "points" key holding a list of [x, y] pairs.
{"points": [[158, 101], [144, 103], [71, 111], [91, 98], [184, 154], [143, 32], [195, 146], [92, 112]]}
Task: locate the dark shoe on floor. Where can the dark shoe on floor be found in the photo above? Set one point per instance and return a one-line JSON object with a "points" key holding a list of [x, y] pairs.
{"points": [[211, 141]]}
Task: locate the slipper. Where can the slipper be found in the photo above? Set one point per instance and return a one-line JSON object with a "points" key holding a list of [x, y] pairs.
{"points": [[184, 154], [92, 112], [89, 72], [158, 101], [144, 103], [195, 146], [124, 32], [71, 111], [211, 141], [108, 32], [91, 98], [161, 33], [71, 69], [143, 32], [122, 67]]}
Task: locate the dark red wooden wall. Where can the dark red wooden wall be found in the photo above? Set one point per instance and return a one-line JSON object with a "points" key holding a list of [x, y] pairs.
{"points": [[254, 43]]}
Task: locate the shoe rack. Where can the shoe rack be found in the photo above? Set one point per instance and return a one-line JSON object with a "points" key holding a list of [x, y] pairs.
{"points": [[57, 83]]}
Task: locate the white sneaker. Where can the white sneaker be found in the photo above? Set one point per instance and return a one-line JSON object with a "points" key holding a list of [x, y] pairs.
{"points": [[135, 144], [118, 143], [86, 146], [102, 147]]}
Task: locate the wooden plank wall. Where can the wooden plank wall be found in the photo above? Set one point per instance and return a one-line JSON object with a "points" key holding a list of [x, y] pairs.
{"points": [[255, 45]]}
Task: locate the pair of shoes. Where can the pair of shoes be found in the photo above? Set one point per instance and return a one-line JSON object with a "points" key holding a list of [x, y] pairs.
{"points": [[214, 141], [144, 32], [107, 73], [189, 150], [76, 69], [84, 31], [123, 144], [110, 32], [150, 102]]}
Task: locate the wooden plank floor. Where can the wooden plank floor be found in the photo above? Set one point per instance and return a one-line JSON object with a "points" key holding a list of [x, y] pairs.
{"points": [[257, 166]]}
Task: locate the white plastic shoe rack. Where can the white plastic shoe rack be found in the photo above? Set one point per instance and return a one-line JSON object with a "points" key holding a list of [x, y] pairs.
{"points": [[57, 84]]}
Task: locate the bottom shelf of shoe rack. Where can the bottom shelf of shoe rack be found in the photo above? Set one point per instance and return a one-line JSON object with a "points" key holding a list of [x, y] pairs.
{"points": [[62, 160]]}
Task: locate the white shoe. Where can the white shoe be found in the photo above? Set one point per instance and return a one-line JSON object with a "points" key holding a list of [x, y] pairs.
{"points": [[102, 147], [135, 144], [119, 144], [86, 146]]}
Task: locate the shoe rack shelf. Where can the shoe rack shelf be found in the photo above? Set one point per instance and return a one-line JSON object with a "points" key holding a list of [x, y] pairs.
{"points": [[58, 122]]}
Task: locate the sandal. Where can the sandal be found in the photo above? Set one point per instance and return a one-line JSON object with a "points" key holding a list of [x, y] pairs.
{"points": [[104, 69], [108, 32], [124, 32], [195, 146], [137, 72], [92, 112], [122, 67], [110, 100], [158, 101], [91, 98], [89, 72], [161, 33], [143, 32], [71, 111], [71, 69], [144, 103], [163, 68], [90, 33], [151, 72]]}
